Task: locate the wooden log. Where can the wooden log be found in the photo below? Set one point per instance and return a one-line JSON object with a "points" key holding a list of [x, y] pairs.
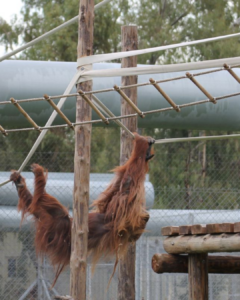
{"points": [[225, 242], [78, 261], [198, 276], [199, 229], [169, 263], [170, 230], [217, 264], [126, 270]]}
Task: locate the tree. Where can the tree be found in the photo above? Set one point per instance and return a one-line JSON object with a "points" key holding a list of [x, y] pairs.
{"points": [[40, 16], [160, 23]]}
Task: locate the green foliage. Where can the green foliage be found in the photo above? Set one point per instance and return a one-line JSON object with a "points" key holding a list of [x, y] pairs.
{"points": [[40, 16], [168, 21], [9, 33], [56, 151], [105, 149], [159, 23], [181, 180]]}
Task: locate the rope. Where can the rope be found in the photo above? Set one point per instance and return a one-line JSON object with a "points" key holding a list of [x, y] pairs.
{"points": [[125, 116], [101, 106], [200, 138], [157, 69], [117, 55]]}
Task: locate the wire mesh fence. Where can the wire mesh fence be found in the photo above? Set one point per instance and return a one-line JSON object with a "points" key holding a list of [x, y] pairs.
{"points": [[194, 182]]}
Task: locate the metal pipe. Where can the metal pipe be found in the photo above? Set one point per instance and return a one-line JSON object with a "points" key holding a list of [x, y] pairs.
{"points": [[64, 182], [28, 290]]}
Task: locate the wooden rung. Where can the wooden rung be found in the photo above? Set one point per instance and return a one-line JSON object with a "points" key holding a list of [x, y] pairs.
{"points": [[185, 229], [82, 94], [210, 97], [234, 75], [22, 111], [227, 227], [3, 131], [161, 91], [129, 101], [213, 228], [220, 228], [61, 114], [109, 113], [170, 230], [199, 229]]}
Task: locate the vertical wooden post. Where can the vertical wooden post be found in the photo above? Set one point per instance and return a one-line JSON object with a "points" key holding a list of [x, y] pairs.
{"points": [[78, 262], [198, 276], [126, 274]]}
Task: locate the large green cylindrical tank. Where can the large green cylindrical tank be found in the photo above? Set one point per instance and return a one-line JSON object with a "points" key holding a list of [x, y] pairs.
{"points": [[29, 79]]}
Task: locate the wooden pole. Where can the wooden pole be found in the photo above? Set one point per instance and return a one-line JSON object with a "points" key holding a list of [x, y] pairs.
{"points": [[198, 276], [78, 262], [126, 273], [217, 264]]}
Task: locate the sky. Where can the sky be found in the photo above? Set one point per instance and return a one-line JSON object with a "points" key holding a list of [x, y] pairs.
{"points": [[7, 9]]}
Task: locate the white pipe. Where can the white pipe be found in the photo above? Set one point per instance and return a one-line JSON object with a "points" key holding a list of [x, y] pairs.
{"points": [[28, 290]]}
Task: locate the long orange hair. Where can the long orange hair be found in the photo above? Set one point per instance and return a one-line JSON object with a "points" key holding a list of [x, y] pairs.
{"points": [[118, 216]]}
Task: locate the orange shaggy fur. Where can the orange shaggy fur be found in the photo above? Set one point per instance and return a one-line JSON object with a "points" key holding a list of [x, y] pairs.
{"points": [[118, 216]]}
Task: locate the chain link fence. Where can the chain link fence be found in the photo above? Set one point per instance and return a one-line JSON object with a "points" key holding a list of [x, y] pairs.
{"points": [[193, 182]]}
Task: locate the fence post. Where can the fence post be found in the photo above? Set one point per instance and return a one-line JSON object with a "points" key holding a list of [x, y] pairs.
{"points": [[78, 262], [126, 274]]}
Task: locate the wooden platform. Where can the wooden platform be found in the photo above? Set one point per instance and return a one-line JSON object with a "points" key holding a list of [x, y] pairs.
{"points": [[195, 242], [200, 229]]}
